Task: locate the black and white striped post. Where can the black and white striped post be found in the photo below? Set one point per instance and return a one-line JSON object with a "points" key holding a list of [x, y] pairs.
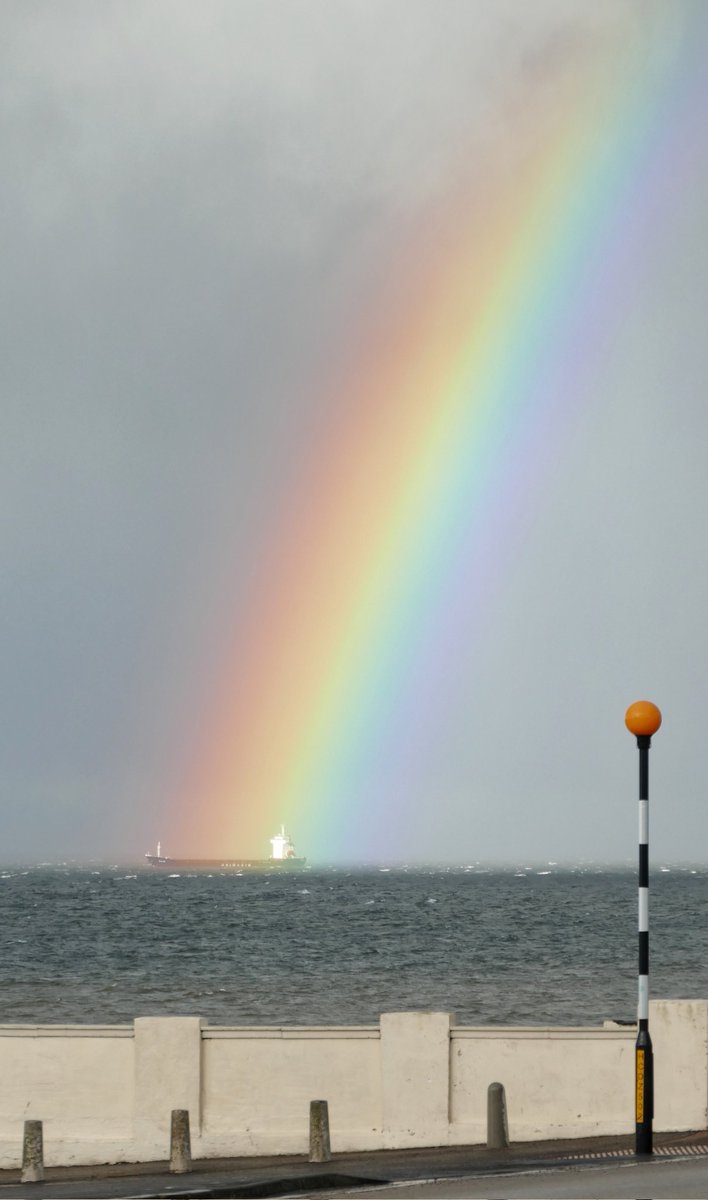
{"points": [[643, 719]]}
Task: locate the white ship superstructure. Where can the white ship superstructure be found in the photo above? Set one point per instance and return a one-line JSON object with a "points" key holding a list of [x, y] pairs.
{"points": [[282, 846]]}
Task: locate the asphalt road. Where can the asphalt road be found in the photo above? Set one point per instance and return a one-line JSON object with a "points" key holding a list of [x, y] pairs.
{"points": [[682, 1179]]}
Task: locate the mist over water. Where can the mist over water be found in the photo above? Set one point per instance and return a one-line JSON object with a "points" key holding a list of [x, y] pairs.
{"points": [[521, 946]]}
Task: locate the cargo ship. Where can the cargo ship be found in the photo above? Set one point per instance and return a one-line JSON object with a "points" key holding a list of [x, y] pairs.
{"points": [[283, 858]]}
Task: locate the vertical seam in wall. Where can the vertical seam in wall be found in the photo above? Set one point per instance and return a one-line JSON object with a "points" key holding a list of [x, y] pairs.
{"points": [[449, 1079], [200, 1121], [384, 1115]]}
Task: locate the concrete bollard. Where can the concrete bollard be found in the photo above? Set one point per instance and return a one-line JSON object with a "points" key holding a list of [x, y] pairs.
{"points": [[497, 1123], [180, 1145], [32, 1153], [319, 1132]]}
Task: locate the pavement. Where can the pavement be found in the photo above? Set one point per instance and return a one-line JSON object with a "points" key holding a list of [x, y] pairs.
{"points": [[661, 1179], [458, 1171]]}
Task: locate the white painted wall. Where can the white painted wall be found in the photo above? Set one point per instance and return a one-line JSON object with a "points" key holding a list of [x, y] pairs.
{"points": [[105, 1093], [258, 1083], [78, 1080], [679, 1033], [558, 1082]]}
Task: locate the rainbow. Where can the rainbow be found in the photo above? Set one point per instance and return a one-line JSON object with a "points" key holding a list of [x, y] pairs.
{"points": [[398, 539]]}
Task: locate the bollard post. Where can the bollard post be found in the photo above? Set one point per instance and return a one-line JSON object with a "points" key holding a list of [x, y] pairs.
{"points": [[180, 1146], [319, 1132], [32, 1153], [497, 1123]]}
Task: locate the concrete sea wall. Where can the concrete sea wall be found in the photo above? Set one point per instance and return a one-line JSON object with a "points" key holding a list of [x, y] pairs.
{"points": [[105, 1093]]}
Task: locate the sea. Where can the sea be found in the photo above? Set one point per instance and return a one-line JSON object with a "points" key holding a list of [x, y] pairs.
{"points": [[533, 944]]}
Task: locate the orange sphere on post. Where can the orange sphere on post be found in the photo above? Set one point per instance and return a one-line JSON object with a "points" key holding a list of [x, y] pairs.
{"points": [[642, 718]]}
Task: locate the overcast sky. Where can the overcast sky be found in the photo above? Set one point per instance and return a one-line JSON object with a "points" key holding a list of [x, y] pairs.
{"points": [[198, 200]]}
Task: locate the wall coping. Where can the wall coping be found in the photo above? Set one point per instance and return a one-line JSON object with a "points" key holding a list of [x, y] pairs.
{"points": [[81, 1031], [291, 1032], [547, 1033], [334, 1032]]}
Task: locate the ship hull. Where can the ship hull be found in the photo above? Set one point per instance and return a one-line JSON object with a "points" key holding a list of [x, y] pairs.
{"points": [[233, 865]]}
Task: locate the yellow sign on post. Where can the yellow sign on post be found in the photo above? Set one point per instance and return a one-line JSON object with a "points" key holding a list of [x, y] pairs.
{"points": [[640, 1086]]}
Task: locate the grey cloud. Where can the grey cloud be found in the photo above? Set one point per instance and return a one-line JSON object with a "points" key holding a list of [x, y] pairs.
{"points": [[196, 199]]}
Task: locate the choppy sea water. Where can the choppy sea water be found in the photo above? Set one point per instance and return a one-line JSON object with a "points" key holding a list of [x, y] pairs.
{"points": [[534, 945]]}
